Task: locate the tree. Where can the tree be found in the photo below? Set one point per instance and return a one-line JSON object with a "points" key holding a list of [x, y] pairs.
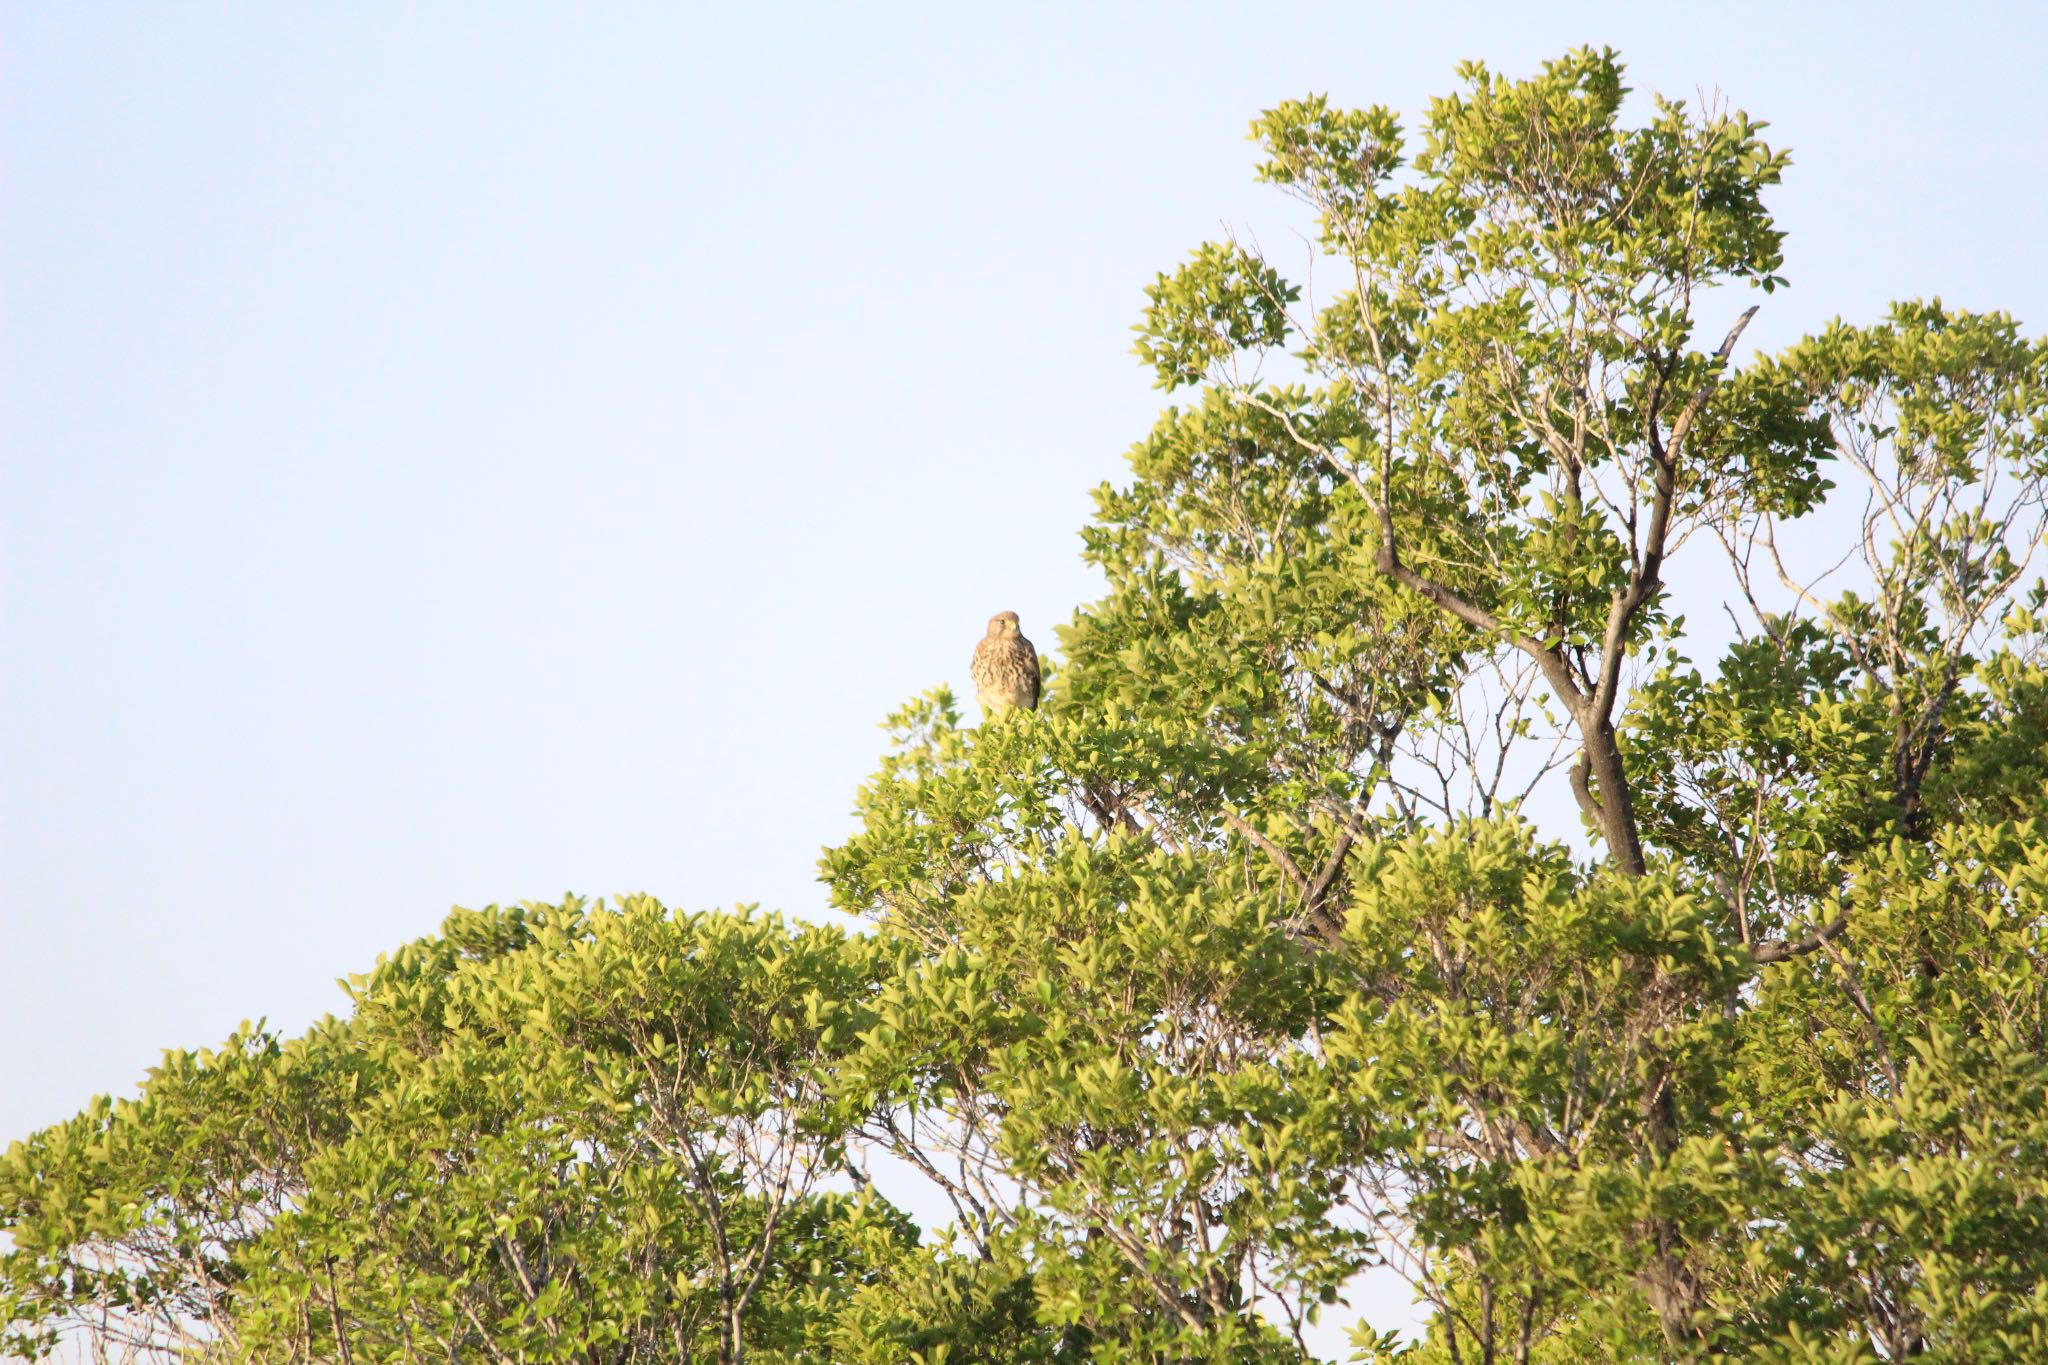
{"points": [[1259, 959], [551, 1133], [1405, 555]]}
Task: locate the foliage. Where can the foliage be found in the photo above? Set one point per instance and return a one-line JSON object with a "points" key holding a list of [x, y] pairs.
{"points": [[550, 1133], [1390, 883]]}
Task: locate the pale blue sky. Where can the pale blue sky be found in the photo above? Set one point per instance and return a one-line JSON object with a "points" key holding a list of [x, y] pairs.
{"points": [[467, 453]]}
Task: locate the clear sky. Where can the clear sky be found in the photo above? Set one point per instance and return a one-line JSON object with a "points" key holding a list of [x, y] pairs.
{"points": [[467, 453]]}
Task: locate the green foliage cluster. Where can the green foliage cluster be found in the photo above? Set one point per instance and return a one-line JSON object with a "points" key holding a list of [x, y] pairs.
{"points": [[1242, 970]]}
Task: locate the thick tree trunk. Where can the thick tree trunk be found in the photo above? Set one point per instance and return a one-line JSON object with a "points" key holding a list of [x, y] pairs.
{"points": [[1615, 806]]}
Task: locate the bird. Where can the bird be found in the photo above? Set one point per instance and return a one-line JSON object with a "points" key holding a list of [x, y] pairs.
{"points": [[1005, 668]]}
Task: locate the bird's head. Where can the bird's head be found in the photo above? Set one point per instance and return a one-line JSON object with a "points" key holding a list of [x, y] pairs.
{"points": [[1002, 623]]}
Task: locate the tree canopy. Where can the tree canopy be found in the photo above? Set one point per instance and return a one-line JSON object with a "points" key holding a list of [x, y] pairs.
{"points": [[1392, 880]]}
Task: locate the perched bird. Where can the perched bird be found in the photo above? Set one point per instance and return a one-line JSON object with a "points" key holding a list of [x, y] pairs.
{"points": [[1005, 667]]}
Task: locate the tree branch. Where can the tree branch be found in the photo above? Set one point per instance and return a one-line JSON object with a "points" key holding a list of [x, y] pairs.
{"points": [[1280, 856], [1781, 949]]}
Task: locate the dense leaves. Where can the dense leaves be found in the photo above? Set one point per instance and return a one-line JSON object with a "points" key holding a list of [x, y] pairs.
{"points": [[550, 1133], [1391, 883]]}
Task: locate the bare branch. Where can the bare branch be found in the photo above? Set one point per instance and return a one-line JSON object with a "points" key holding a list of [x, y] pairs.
{"points": [[1779, 950]]}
